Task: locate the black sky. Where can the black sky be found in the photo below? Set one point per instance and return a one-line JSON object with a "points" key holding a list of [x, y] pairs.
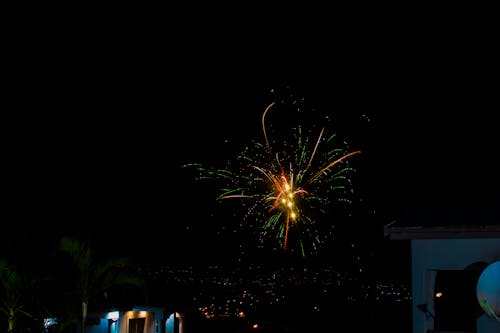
{"points": [[98, 124]]}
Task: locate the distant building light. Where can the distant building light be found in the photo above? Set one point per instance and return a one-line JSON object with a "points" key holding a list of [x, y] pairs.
{"points": [[113, 315], [48, 322], [439, 294]]}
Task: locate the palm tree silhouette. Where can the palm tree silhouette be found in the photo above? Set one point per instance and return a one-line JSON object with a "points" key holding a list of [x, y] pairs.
{"points": [[94, 277], [13, 287]]}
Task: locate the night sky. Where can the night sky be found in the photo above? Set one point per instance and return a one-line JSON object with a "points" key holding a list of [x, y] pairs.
{"points": [[97, 127]]}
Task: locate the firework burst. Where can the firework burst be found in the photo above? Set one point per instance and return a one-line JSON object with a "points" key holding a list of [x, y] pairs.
{"points": [[286, 184]]}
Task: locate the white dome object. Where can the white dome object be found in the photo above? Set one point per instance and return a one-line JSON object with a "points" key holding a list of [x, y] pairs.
{"points": [[488, 290]]}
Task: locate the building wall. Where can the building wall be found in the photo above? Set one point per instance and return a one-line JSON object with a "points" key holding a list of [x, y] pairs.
{"points": [[153, 321], [429, 255], [101, 328]]}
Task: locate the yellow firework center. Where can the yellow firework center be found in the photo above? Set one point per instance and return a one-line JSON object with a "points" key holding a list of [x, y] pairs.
{"points": [[288, 201]]}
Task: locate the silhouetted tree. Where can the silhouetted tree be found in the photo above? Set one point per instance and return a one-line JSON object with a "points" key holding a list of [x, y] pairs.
{"points": [[94, 277], [13, 289]]}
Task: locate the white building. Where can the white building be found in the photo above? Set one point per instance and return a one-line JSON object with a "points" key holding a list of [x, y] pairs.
{"points": [[144, 319], [446, 265]]}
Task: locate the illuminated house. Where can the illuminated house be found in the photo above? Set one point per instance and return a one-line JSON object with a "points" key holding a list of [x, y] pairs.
{"points": [[135, 320], [447, 264]]}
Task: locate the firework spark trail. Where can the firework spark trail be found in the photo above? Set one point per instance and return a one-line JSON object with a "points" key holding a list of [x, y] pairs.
{"points": [[264, 126], [285, 188], [322, 171]]}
